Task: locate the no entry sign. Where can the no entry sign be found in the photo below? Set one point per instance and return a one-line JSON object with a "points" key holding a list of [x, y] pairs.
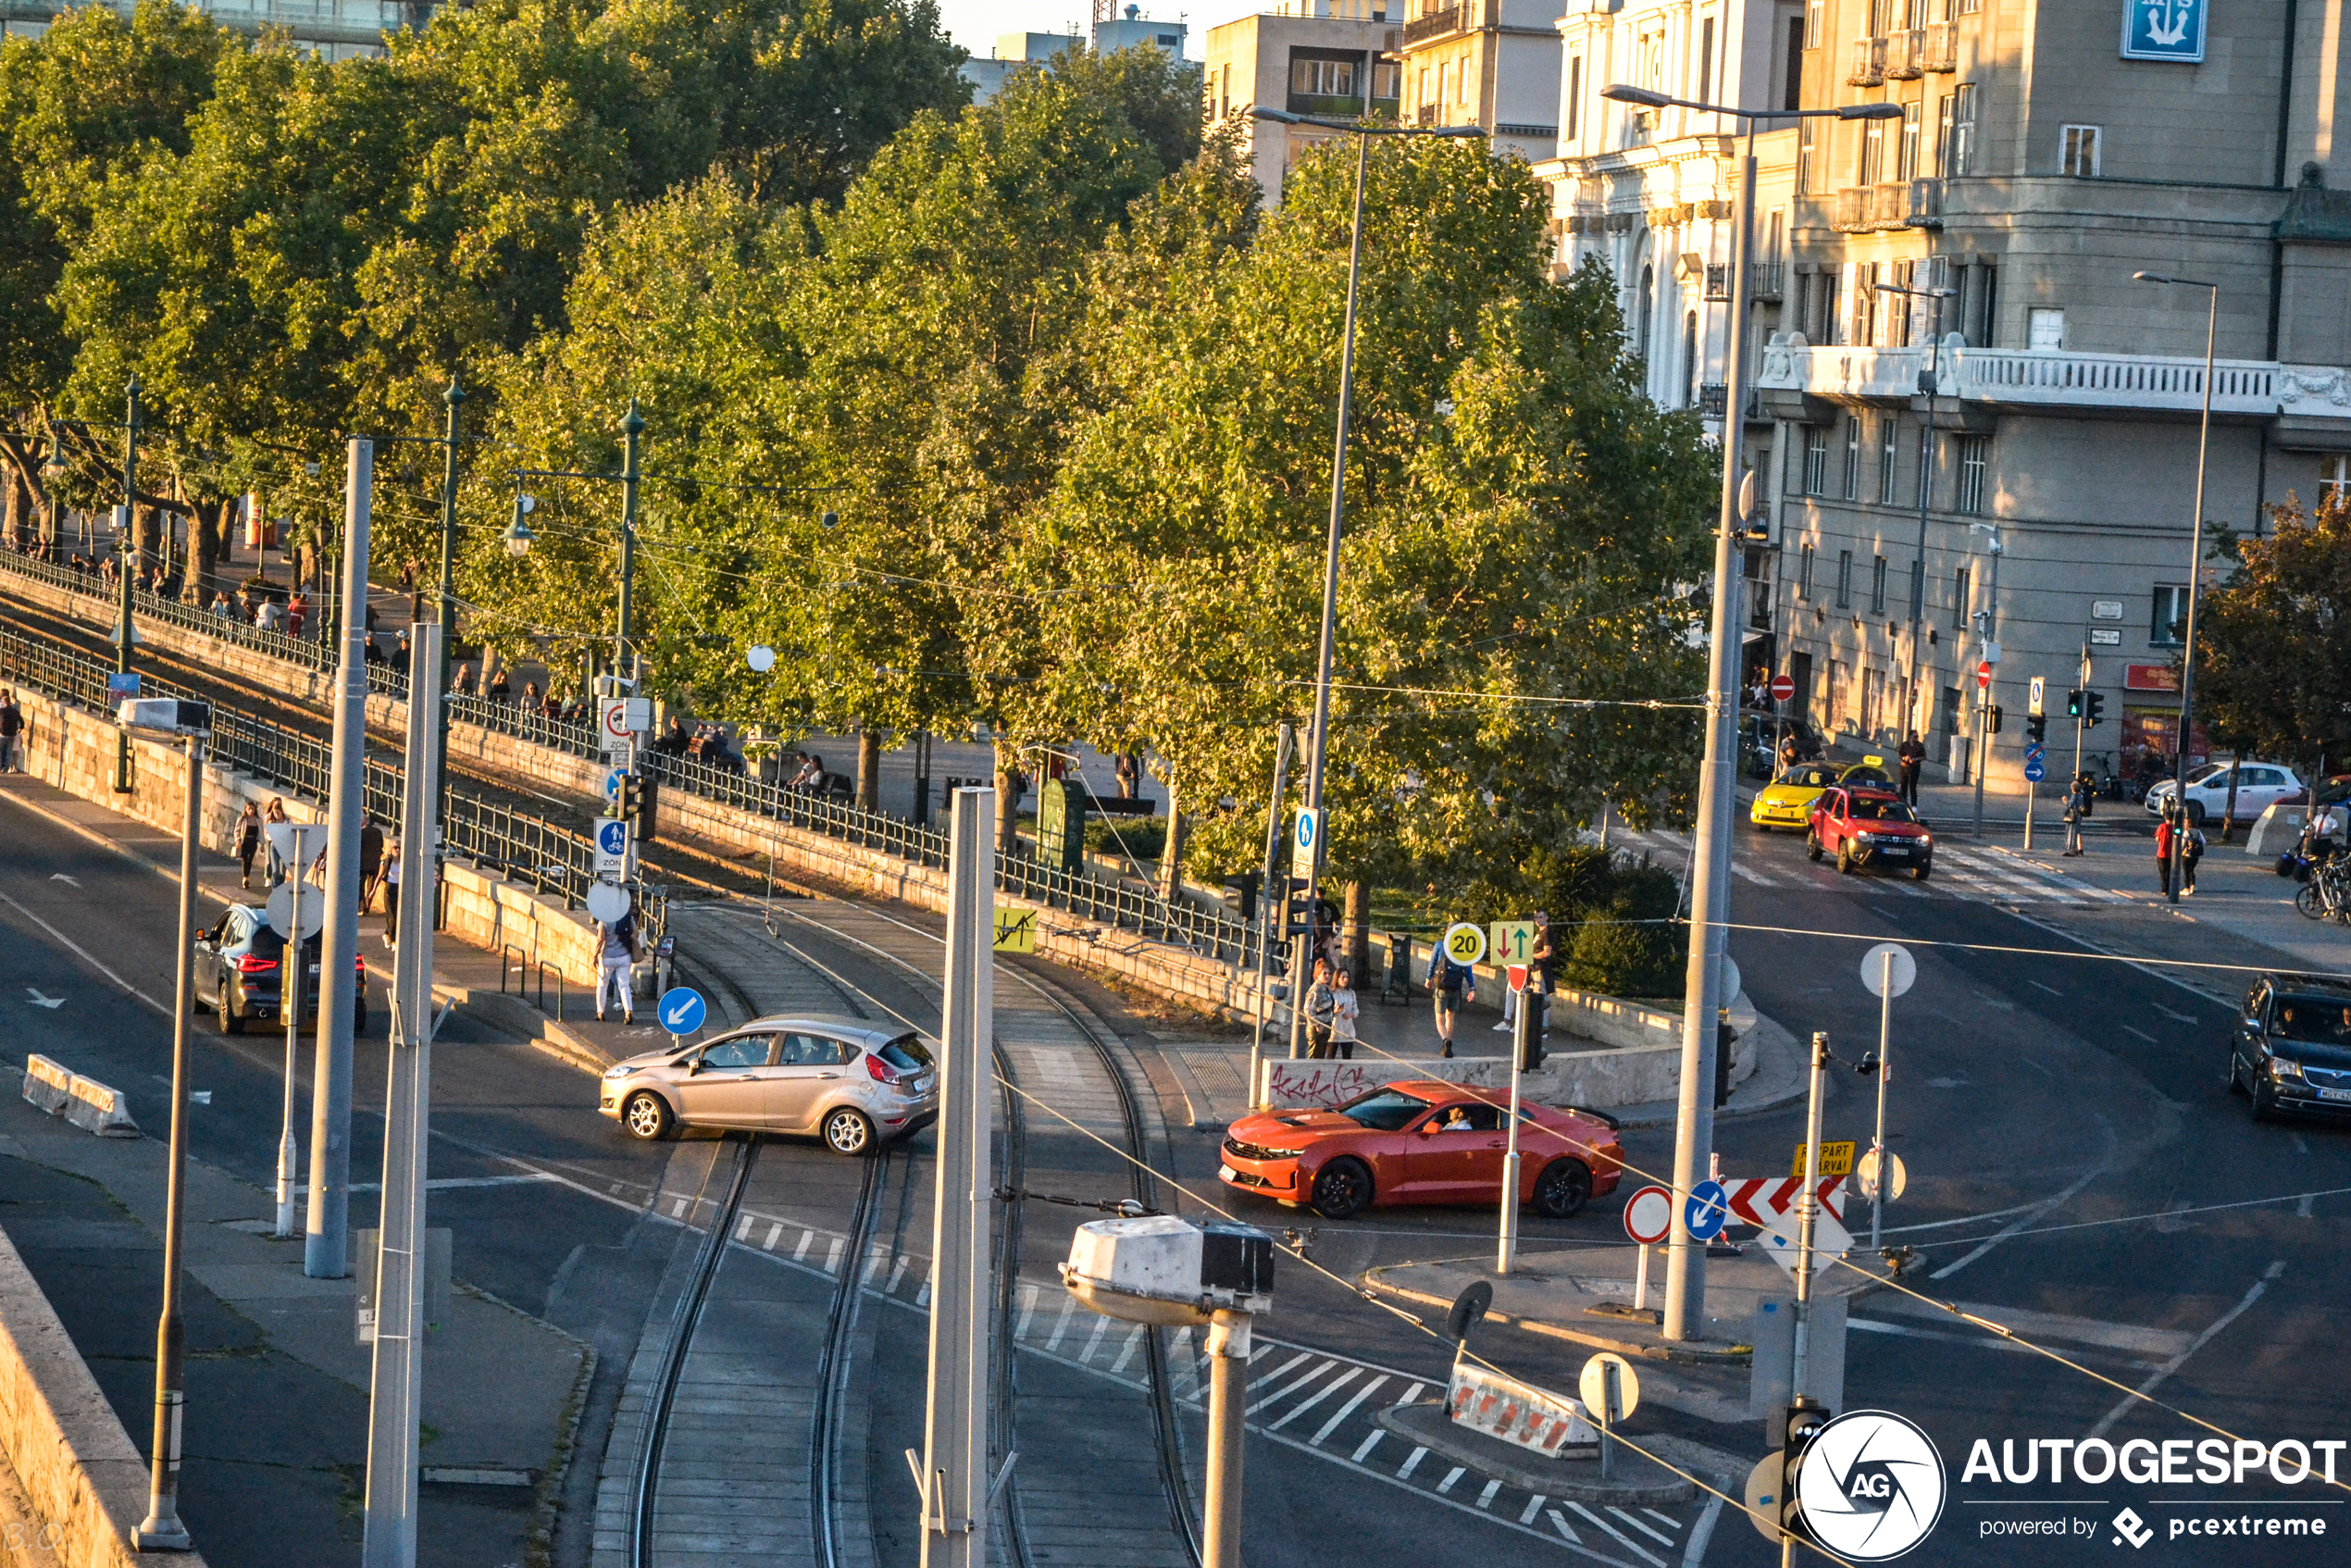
{"points": [[1783, 688]]}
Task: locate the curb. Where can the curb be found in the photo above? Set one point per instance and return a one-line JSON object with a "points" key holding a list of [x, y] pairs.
{"points": [[1688, 1354]]}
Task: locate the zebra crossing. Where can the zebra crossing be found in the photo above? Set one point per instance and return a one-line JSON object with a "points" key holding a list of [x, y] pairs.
{"points": [[1975, 873]]}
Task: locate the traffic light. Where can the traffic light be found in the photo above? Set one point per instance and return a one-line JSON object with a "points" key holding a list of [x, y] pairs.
{"points": [[2074, 704], [2095, 708], [1992, 719], [1806, 1416], [636, 806], [2036, 729]]}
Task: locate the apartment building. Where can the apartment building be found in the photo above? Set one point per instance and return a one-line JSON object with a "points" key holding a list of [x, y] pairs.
{"points": [[1489, 63], [333, 30], [2044, 405], [1328, 58]]}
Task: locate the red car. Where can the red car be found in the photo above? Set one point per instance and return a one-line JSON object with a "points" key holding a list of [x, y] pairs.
{"points": [[1869, 829], [1421, 1142]]}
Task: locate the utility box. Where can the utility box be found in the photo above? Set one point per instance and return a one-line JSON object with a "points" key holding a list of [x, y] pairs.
{"points": [[1162, 1269], [1235, 1257], [1061, 824]]}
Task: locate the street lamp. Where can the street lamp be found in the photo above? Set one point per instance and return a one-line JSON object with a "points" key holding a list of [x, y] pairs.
{"points": [[2195, 566], [1709, 860], [518, 536], [1318, 751], [1929, 378], [1987, 631], [161, 1530]]}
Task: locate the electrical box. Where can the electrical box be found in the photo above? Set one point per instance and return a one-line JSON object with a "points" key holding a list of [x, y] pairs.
{"points": [[166, 714], [1165, 1270]]}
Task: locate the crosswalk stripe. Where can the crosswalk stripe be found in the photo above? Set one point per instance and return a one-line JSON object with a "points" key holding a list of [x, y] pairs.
{"points": [[1534, 1506], [1093, 1341], [1365, 1392], [1486, 1497], [1564, 1528], [1126, 1352], [806, 1238], [832, 1258], [1616, 1534], [1665, 1519], [775, 1234], [1645, 1529], [1302, 1379], [1413, 1463], [1369, 1443], [1451, 1476], [1327, 1389]]}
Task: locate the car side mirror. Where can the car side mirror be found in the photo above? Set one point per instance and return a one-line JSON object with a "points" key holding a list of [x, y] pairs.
{"points": [[693, 1066], [1428, 1129]]}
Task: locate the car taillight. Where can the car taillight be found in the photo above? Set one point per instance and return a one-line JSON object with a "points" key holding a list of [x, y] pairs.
{"points": [[880, 1071], [249, 964]]}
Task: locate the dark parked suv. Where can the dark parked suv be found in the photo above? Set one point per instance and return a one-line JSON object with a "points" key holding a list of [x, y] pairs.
{"points": [[2292, 1050], [240, 969]]}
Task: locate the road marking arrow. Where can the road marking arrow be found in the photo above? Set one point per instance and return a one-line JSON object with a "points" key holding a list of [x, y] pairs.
{"points": [[51, 1003], [61, 876]]}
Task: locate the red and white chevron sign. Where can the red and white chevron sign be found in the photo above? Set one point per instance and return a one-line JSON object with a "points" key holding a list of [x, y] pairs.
{"points": [[1769, 1203]]}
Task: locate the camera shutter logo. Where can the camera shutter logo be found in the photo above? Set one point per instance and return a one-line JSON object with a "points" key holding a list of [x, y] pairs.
{"points": [[1871, 1486]]}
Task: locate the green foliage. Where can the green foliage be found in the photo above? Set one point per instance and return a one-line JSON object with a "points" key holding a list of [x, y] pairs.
{"points": [[2273, 644]]}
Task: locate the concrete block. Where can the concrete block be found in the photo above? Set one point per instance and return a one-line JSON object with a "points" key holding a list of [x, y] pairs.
{"points": [[94, 1107], [47, 1084]]}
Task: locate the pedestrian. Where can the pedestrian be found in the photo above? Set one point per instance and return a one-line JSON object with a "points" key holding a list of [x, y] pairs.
{"points": [[11, 733], [276, 812], [2191, 851], [1345, 1010], [2079, 801], [221, 608], [501, 687], [371, 860], [390, 877], [2165, 832], [248, 842], [1912, 756], [1320, 1003], [617, 962], [1450, 987], [1539, 990], [297, 610]]}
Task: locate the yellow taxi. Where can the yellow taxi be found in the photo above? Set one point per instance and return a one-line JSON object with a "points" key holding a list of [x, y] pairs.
{"points": [[1786, 801]]}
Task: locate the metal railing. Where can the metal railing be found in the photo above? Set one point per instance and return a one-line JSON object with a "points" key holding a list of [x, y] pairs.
{"points": [[1436, 24], [1869, 63], [520, 845]]}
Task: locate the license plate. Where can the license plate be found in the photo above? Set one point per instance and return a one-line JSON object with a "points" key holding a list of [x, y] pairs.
{"points": [[1226, 1173], [2334, 1094], [1902, 854]]}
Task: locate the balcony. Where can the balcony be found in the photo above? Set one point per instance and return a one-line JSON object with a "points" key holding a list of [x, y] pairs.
{"points": [[1763, 279], [1713, 397], [1337, 107], [1718, 283], [1869, 63], [2052, 382], [1940, 52], [1906, 55], [1436, 24], [1849, 210]]}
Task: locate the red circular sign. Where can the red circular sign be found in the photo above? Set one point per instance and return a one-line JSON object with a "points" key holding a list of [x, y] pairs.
{"points": [[1783, 688], [1648, 1215], [1983, 676]]}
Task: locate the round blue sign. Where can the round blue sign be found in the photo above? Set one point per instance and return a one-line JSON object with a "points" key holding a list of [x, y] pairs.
{"points": [[1707, 1211], [2034, 772], [613, 782], [682, 1010], [612, 838]]}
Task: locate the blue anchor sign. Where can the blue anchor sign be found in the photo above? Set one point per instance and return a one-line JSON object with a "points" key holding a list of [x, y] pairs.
{"points": [[2163, 30]]}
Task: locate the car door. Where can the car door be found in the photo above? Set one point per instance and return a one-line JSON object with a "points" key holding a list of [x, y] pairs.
{"points": [[807, 1068], [1832, 819], [2252, 1019], [724, 1087], [203, 968], [1447, 1163]]}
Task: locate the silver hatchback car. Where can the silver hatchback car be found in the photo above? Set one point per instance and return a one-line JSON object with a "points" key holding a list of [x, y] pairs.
{"points": [[842, 1078]]}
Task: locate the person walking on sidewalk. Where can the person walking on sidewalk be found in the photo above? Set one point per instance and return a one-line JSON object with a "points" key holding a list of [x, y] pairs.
{"points": [[1345, 1010], [390, 877], [371, 862], [1319, 1004], [248, 842], [1911, 757], [616, 964], [1450, 985], [276, 812], [2165, 830], [11, 733], [2191, 851], [2078, 802]]}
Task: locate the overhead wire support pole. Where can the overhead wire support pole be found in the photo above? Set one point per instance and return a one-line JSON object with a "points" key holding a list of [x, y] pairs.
{"points": [[126, 563], [1273, 914], [447, 610], [632, 428]]}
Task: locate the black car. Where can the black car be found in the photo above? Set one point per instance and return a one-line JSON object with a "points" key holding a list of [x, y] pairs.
{"points": [[240, 967], [2292, 1050]]}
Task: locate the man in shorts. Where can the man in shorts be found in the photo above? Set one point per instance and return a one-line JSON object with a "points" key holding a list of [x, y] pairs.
{"points": [[1450, 986]]}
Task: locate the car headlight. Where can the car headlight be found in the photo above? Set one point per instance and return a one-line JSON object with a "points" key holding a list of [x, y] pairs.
{"points": [[2280, 1068], [1926, 840], [618, 1070]]}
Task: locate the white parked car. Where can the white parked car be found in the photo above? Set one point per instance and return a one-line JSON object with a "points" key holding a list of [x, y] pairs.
{"points": [[2261, 785]]}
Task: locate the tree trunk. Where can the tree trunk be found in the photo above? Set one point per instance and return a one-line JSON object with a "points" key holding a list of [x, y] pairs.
{"points": [[1171, 855], [868, 768], [146, 527], [1007, 797], [1355, 925], [18, 505]]}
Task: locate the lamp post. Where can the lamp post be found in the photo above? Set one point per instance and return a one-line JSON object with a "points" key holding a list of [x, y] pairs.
{"points": [[125, 565], [450, 399], [1929, 379], [1318, 741], [2195, 566], [1709, 860]]}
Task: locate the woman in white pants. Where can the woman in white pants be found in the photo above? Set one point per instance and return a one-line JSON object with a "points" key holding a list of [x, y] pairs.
{"points": [[617, 961]]}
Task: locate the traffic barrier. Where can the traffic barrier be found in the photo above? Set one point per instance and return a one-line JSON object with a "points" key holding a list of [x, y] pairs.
{"points": [[47, 1084], [1517, 1413]]}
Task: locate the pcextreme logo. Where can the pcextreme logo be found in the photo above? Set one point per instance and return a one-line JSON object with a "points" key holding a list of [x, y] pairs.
{"points": [[1871, 1486]]}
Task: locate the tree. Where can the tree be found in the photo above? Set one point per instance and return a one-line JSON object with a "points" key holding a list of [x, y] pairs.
{"points": [[2273, 644]]}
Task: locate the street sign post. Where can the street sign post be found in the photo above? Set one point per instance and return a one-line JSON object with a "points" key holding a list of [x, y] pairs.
{"points": [[1782, 688], [682, 1010], [1306, 843], [1512, 941], [2035, 689], [1649, 1219], [1887, 970], [611, 841], [608, 902], [1898, 1176], [1465, 943], [1707, 1211], [1983, 676]]}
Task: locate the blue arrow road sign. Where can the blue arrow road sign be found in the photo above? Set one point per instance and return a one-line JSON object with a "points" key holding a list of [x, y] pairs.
{"points": [[1707, 1211], [682, 1010], [613, 781], [612, 836], [2034, 772], [2035, 751]]}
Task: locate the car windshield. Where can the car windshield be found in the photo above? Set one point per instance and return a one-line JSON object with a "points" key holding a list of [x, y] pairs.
{"points": [[2315, 1020], [1883, 811], [2210, 770], [1383, 1110], [1865, 775], [1805, 776], [907, 1053]]}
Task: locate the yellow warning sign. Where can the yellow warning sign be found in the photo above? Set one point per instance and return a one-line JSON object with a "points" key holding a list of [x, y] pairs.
{"points": [[1017, 932], [1836, 1159]]}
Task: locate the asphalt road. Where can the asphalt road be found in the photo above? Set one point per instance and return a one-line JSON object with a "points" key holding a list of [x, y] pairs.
{"points": [[2069, 1139]]}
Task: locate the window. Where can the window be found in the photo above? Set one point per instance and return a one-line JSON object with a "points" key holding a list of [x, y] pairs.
{"points": [[1908, 158], [1574, 115], [1959, 155], [1918, 589], [1689, 356], [2169, 624], [1804, 573], [1852, 457], [1816, 459], [1323, 78], [1652, 58], [2044, 329], [1971, 7], [1975, 453], [1641, 312], [1872, 152], [1880, 17], [743, 1051], [1865, 305], [1926, 471], [1792, 81], [1877, 585], [1706, 61], [1844, 579], [2079, 154], [1811, 25], [1386, 81], [1807, 144], [2334, 480], [1888, 448]]}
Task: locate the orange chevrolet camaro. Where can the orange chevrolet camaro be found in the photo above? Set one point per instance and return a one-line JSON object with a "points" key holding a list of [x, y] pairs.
{"points": [[1421, 1142]]}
